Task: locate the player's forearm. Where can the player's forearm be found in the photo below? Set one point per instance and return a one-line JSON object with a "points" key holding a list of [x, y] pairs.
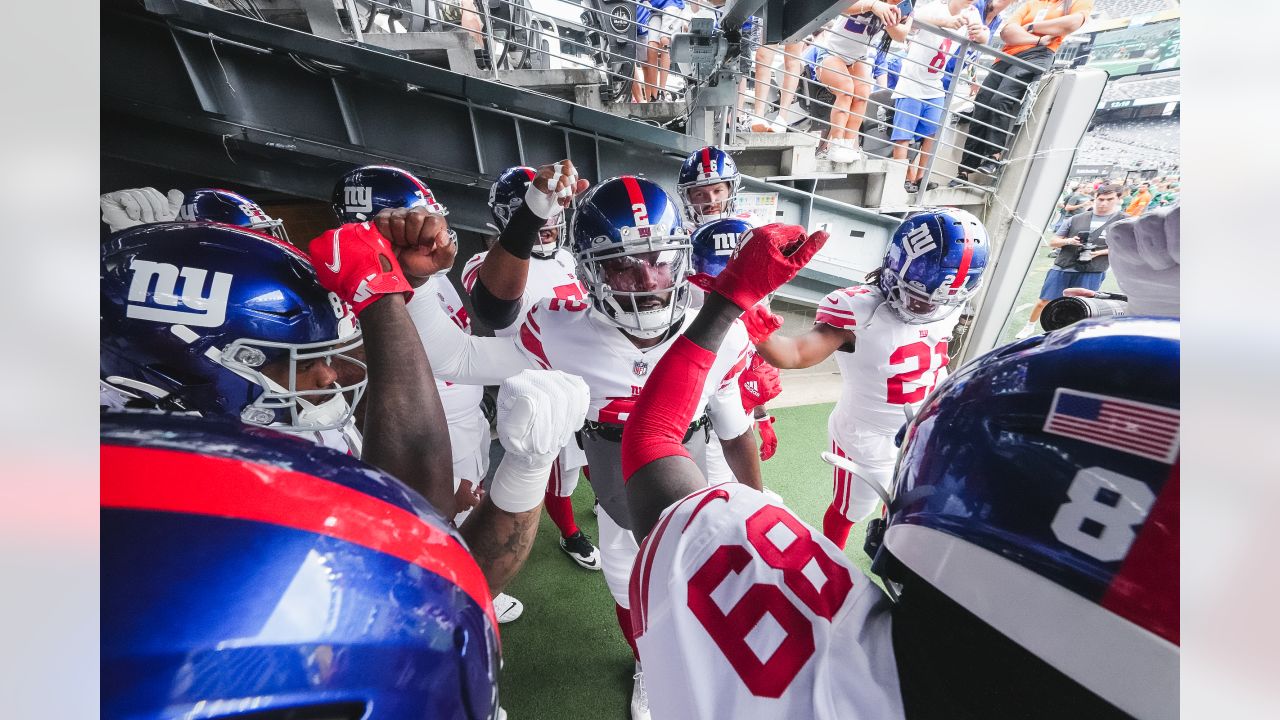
{"points": [[655, 464], [406, 433], [742, 454], [500, 541], [462, 358], [780, 352]]}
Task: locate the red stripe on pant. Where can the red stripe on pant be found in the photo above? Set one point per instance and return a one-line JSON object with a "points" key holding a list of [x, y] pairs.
{"points": [[842, 481]]}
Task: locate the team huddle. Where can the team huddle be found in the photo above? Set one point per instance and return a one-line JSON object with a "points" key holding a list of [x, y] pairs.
{"points": [[633, 345]]}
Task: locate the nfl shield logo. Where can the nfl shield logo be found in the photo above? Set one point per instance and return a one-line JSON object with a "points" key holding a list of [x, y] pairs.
{"points": [[640, 368]]}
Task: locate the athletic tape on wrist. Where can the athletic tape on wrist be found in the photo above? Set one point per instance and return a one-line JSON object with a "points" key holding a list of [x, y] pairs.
{"points": [[520, 482]]}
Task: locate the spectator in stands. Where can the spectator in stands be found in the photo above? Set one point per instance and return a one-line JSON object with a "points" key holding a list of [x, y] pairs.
{"points": [[887, 68], [1082, 257], [1168, 195], [1141, 199], [917, 100], [792, 66], [1033, 35], [1076, 200], [666, 18], [844, 66]]}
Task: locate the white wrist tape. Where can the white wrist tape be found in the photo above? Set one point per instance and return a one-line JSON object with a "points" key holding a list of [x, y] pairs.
{"points": [[520, 482]]}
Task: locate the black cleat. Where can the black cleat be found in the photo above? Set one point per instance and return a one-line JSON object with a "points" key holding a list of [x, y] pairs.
{"points": [[578, 546]]}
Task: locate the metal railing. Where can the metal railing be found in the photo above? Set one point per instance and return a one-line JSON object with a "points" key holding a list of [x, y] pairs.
{"points": [[607, 37]]}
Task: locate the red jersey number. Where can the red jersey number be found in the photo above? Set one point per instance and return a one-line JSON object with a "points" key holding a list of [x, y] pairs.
{"points": [[772, 676], [568, 291], [921, 356]]}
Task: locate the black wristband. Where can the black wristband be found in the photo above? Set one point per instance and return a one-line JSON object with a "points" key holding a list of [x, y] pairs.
{"points": [[521, 233], [493, 310]]}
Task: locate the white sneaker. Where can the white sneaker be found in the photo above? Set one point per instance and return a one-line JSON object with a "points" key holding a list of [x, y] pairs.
{"points": [[791, 116], [507, 608], [760, 125], [639, 698], [852, 146], [839, 152], [1026, 331]]}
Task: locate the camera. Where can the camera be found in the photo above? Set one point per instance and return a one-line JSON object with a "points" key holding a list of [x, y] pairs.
{"points": [[1069, 310], [1086, 247]]}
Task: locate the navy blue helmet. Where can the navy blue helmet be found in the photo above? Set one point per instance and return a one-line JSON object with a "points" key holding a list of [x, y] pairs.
{"points": [[247, 574], [507, 195], [934, 263], [365, 191], [708, 166], [633, 255], [714, 243], [218, 320], [1038, 488], [224, 206]]}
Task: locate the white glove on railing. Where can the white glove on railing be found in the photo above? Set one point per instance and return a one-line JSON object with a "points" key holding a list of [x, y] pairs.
{"points": [[538, 412], [123, 209], [1146, 254]]}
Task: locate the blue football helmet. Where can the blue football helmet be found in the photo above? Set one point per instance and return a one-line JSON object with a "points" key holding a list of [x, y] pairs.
{"points": [[217, 320], [708, 166], [633, 255], [507, 195], [935, 262], [1038, 489], [247, 574], [224, 206], [366, 191], [714, 243]]}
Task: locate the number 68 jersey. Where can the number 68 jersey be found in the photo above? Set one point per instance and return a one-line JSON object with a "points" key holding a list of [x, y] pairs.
{"points": [[892, 364], [741, 610]]}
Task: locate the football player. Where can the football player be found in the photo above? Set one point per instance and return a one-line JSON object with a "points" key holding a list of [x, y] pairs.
{"points": [[633, 258], [208, 319], [358, 197], [890, 341], [497, 277], [708, 186], [1029, 555], [759, 382], [124, 209]]}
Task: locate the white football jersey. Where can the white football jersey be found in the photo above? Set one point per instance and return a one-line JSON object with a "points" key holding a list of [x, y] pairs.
{"points": [[569, 336], [461, 402], [740, 610], [926, 59], [553, 277], [893, 363]]}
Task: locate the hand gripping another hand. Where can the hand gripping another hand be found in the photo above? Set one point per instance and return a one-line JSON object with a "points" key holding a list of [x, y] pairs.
{"points": [[357, 264]]}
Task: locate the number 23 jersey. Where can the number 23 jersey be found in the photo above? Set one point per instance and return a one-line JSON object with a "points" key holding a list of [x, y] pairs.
{"points": [[892, 363], [741, 610]]}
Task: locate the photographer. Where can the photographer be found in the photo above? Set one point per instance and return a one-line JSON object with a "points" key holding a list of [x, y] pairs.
{"points": [[1082, 260]]}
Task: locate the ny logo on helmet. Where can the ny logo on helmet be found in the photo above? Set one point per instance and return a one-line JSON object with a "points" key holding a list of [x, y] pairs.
{"points": [[725, 243], [919, 241], [358, 198], [201, 310]]}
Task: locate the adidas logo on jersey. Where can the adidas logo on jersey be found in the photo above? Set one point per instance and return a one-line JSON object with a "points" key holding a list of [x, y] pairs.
{"points": [[191, 307]]}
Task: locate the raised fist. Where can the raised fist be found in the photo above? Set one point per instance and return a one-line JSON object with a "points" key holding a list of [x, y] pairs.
{"points": [[421, 240], [357, 264], [760, 323], [125, 208], [766, 258], [553, 189], [538, 412]]}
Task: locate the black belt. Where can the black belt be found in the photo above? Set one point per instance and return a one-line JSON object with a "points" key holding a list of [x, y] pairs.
{"points": [[613, 433]]}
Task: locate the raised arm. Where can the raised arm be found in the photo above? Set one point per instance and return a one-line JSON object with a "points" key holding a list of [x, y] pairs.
{"points": [[500, 283], [655, 464], [405, 429]]}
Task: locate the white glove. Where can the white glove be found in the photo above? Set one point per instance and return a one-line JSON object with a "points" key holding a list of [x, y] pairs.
{"points": [[538, 412], [546, 204], [125, 208], [1146, 255]]}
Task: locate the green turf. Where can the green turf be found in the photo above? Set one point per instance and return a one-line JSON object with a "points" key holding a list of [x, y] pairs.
{"points": [[565, 658]]}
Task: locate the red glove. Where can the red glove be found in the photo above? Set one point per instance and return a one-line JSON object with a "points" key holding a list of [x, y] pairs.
{"points": [[760, 323], [702, 280], [766, 258], [768, 438], [357, 263], [758, 384]]}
